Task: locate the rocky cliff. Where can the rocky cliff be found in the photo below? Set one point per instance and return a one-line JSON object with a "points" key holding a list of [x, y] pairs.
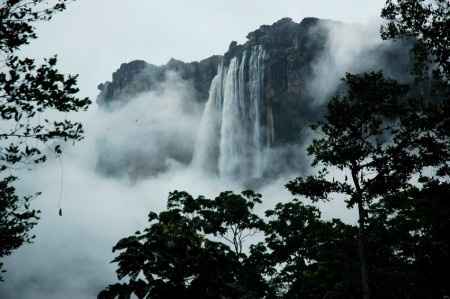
{"points": [[280, 78], [138, 76], [294, 51], [302, 67]]}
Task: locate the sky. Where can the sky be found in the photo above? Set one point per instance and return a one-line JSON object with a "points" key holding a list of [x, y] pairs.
{"points": [[70, 257], [93, 37]]}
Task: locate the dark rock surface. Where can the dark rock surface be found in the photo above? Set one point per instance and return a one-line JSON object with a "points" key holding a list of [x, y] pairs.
{"points": [[138, 76], [294, 51]]}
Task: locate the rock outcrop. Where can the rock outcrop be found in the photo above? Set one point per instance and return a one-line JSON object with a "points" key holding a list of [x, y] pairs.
{"points": [[138, 76]]}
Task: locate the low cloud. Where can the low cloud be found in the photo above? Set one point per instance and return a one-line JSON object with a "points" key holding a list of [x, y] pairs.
{"points": [[355, 48], [149, 142]]}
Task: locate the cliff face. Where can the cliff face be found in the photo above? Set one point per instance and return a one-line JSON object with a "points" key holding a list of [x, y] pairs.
{"points": [[287, 69], [294, 50], [303, 67], [138, 76]]}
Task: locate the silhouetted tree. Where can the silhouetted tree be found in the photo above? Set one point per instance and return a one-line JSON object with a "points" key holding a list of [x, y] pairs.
{"points": [[352, 140], [190, 251], [193, 250], [427, 22], [426, 130], [29, 91], [310, 257]]}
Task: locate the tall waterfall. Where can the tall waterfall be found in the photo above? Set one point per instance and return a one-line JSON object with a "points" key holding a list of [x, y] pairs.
{"points": [[236, 128]]}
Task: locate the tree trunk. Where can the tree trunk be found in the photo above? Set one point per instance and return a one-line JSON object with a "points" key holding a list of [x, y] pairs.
{"points": [[361, 235], [362, 252], [436, 257]]}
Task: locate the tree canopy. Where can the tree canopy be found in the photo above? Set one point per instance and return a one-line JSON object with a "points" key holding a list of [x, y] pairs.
{"points": [[427, 22]]}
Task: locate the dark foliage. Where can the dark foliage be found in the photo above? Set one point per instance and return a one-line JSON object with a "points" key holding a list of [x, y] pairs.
{"points": [[28, 92], [193, 250], [190, 251], [427, 22]]}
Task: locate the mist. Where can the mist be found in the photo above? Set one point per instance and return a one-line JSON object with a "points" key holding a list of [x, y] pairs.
{"points": [[354, 48], [131, 158]]}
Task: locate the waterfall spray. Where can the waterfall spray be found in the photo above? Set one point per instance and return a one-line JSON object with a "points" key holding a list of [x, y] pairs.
{"points": [[232, 133]]}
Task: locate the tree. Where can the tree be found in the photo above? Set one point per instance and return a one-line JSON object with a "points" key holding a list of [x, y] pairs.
{"points": [[310, 257], [422, 207], [426, 127], [189, 251], [382, 144], [28, 92], [353, 140], [427, 22], [194, 249]]}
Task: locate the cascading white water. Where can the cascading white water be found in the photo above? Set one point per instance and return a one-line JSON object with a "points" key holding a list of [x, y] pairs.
{"points": [[206, 150], [232, 133], [257, 105]]}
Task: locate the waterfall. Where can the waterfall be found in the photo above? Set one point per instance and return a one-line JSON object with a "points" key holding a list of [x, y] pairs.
{"points": [[206, 149], [257, 105], [234, 130]]}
